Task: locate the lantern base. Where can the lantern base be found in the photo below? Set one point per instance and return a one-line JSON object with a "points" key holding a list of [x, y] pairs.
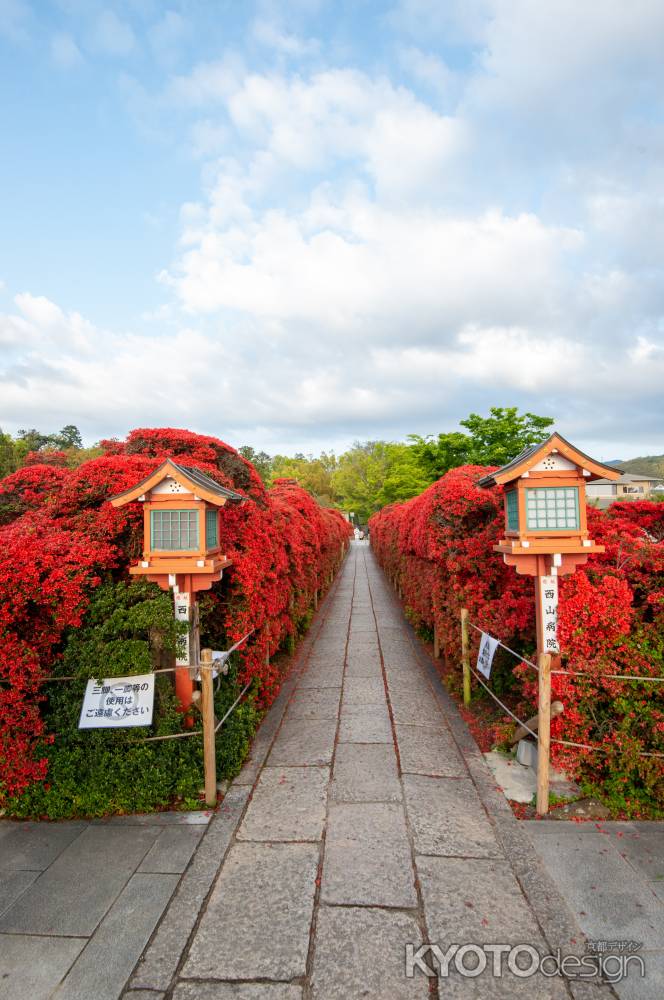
{"points": [[541, 564]]}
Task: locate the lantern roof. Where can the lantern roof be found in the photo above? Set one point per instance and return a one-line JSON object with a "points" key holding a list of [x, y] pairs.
{"points": [[531, 456], [188, 477]]}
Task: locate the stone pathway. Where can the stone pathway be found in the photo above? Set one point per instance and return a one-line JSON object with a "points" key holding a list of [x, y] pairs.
{"points": [[358, 828], [79, 901]]}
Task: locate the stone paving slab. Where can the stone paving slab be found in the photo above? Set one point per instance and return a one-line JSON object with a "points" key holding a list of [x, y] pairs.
{"points": [[369, 726], [12, 885], [362, 665], [34, 846], [236, 991], [413, 708], [72, 896], [157, 966], [363, 691], [429, 751], [367, 856], [304, 741], [447, 818], [288, 804], [365, 772], [360, 953], [31, 967], [172, 850], [315, 703], [256, 925], [118, 943]]}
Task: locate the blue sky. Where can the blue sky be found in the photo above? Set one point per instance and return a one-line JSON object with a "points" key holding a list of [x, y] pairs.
{"points": [[298, 224]]}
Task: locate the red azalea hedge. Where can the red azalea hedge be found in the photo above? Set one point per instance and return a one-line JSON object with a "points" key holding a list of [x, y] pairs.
{"points": [[59, 537], [438, 548]]}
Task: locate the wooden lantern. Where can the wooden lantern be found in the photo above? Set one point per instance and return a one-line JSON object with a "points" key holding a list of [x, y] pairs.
{"points": [[545, 507], [181, 548]]}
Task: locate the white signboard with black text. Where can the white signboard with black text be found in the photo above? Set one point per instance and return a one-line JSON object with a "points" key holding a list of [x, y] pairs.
{"points": [[549, 613], [116, 702], [486, 653], [182, 614]]}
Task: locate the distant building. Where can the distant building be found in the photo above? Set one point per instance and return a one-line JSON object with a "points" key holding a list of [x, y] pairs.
{"points": [[630, 486]]}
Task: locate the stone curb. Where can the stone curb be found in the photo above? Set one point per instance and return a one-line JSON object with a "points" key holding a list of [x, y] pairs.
{"points": [[559, 928], [157, 967]]}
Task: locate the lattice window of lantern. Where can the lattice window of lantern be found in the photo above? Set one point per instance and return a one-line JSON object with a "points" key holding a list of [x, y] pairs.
{"points": [[552, 509], [173, 530]]}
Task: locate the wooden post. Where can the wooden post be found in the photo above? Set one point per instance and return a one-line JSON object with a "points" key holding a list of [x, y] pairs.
{"points": [[544, 733], [315, 600], [207, 711], [465, 656], [436, 643]]}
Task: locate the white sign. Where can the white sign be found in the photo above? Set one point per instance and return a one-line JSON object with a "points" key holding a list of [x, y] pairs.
{"points": [[486, 653], [549, 613], [116, 702], [182, 604]]}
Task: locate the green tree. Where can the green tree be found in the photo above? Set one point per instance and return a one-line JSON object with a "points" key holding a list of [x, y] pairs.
{"points": [[492, 440], [69, 437], [8, 457], [260, 460], [313, 474], [376, 473]]}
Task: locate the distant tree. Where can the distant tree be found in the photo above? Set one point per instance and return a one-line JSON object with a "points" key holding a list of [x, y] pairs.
{"points": [[492, 440], [313, 474], [260, 460], [8, 457], [69, 437], [375, 473]]}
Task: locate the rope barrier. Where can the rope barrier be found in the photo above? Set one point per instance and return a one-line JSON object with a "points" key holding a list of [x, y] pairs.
{"points": [[517, 655]]}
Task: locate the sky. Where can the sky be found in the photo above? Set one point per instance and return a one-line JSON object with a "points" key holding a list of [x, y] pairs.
{"points": [[298, 223]]}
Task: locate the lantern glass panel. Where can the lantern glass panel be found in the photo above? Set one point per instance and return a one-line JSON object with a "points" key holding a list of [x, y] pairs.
{"points": [[552, 509], [512, 501], [211, 529], [172, 530]]}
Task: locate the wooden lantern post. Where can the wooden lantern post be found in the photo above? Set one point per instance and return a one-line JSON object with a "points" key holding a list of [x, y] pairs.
{"points": [[546, 536], [181, 549]]}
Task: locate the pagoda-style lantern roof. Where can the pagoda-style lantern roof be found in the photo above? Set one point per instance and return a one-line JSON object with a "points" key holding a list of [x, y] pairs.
{"points": [[189, 479], [554, 454], [545, 506]]}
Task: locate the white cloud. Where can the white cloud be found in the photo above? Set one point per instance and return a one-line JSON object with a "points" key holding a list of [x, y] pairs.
{"points": [[65, 53], [273, 37], [113, 35]]}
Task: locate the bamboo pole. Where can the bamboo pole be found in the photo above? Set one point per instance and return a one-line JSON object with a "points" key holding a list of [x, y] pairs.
{"points": [[465, 656], [544, 733], [207, 711], [436, 643]]}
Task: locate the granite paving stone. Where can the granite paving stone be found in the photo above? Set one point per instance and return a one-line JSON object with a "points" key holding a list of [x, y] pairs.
{"points": [[447, 818], [119, 941], [31, 967], [429, 751], [236, 991], [12, 885], [365, 772], [322, 675], [361, 953], [158, 964], [256, 925], [288, 804], [304, 741], [315, 703], [172, 850], [363, 691], [413, 708], [367, 856], [370, 726], [72, 896], [34, 846]]}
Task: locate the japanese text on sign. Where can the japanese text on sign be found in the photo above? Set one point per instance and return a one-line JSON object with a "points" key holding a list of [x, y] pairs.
{"points": [[182, 614], [549, 613], [486, 653], [116, 702]]}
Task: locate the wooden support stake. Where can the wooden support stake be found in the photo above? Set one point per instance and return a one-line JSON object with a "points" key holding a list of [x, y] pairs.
{"points": [[465, 656], [436, 643], [315, 600], [207, 711], [544, 733]]}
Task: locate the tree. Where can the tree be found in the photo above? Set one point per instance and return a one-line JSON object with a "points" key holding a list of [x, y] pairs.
{"points": [[8, 457], [260, 460], [69, 437], [376, 473], [493, 440], [315, 475]]}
